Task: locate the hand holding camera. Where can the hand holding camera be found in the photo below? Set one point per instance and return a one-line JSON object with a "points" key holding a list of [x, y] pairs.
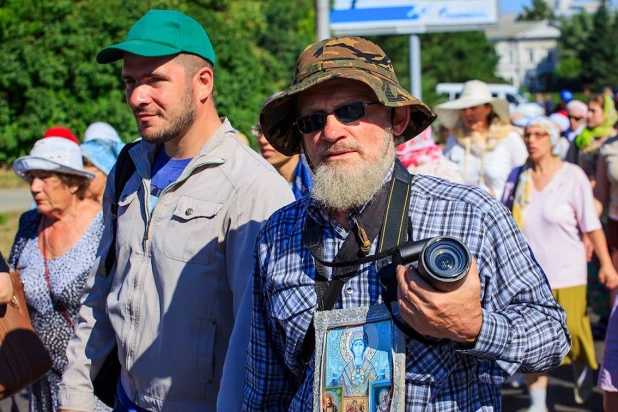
{"points": [[454, 314]]}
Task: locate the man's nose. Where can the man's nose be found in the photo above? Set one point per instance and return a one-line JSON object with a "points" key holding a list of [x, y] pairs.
{"points": [[139, 96], [333, 128]]}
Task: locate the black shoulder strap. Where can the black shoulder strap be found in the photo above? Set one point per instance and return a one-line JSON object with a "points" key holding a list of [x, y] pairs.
{"points": [[124, 170], [395, 222], [394, 227]]}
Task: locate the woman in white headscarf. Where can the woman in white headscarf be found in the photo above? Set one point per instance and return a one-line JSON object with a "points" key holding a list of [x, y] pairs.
{"points": [[483, 143], [553, 206]]}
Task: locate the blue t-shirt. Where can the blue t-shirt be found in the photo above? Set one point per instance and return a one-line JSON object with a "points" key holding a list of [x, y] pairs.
{"points": [[126, 404], [165, 171]]}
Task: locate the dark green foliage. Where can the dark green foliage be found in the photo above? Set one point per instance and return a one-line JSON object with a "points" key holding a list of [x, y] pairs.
{"points": [[540, 10], [588, 50], [48, 73], [445, 57]]}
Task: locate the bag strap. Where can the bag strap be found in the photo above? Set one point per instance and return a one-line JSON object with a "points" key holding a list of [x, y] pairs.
{"points": [[124, 170]]}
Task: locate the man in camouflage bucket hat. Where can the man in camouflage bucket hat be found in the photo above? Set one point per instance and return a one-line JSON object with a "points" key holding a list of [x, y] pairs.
{"points": [[346, 112]]}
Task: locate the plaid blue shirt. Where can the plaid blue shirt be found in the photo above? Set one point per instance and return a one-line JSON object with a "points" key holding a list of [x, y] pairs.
{"points": [[523, 326]]}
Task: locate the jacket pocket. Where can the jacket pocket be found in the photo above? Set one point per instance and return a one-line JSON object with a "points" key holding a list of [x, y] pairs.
{"points": [[204, 359], [191, 234], [127, 209]]}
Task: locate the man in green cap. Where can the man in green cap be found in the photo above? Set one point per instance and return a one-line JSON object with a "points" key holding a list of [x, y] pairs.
{"points": [[444, 338], [186, 223]]}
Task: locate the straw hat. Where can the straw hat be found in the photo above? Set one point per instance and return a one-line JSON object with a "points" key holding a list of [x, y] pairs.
{"points": [[475, 93]]}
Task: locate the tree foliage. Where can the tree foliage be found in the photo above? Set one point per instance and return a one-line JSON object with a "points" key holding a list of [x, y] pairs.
{"points": [[49, 76], [588, 50], [445, 57], [540, 10]]}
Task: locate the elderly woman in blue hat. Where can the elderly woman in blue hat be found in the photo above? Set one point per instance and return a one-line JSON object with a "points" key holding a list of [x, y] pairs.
{"points": [[100, 150], [54, 250]]}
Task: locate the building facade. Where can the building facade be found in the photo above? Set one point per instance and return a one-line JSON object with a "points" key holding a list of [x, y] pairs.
{"points": [[527, 51]]}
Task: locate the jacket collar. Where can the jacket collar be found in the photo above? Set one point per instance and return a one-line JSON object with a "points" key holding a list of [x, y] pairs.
{"points": [[217, 149]]}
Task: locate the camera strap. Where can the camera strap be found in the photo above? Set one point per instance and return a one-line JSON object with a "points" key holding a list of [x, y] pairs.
{"points": [[392, 204]]}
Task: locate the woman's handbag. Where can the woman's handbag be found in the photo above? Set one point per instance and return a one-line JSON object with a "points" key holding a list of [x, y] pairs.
{"points": [[23, 358]]}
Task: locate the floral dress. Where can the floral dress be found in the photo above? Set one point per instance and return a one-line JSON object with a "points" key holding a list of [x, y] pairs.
{"points": [[67, 279]]}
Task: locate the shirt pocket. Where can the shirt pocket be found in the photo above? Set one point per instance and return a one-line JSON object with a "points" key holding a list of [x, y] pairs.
{"points": [[191, 234], [128, 208]]}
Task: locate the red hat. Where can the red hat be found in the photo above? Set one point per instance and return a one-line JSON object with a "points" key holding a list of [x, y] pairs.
{"points": [[60, 131]]}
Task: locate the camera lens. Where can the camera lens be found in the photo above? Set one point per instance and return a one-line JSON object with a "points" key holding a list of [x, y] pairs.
{"points": [[447, 258]]}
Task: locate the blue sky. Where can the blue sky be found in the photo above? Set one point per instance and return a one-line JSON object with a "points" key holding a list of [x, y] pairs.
{"points": [[513, 6]]}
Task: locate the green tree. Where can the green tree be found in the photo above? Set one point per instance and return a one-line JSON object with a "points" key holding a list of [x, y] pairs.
{"points": [[445, 57], [540, 10], [597, 56], [49, 76], [572, 45]]}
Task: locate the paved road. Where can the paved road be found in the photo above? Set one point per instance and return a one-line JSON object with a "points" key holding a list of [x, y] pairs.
{"points": [[15, 199]]}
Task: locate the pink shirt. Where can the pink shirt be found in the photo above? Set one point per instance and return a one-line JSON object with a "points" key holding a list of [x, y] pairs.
{"points": [[553, 222]]}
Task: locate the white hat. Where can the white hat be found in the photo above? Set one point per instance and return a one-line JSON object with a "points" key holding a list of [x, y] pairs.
{"points": [[54, 154], [101, 130], [475, 93], [561, 121]]}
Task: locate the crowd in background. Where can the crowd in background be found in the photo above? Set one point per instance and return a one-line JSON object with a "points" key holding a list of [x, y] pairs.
{"points": [[554, 166]]}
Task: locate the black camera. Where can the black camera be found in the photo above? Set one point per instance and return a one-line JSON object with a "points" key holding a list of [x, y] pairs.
{"points": [[443, 261]]}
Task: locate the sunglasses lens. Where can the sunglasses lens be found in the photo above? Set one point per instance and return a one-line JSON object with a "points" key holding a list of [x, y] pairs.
{"points": [[350, 112], [311, 123]]}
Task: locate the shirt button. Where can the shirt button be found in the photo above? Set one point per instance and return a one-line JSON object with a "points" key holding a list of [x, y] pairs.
{"points": [[189, 212], [349, 291]]}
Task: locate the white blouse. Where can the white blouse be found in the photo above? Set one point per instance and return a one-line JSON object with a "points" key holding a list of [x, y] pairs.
{"points": [[508, 154]]}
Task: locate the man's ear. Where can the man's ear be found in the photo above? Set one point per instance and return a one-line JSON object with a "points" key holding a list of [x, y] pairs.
{"points": [[205, 80], [401, 119]]}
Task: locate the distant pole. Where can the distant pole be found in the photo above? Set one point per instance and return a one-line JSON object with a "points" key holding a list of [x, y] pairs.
{"points": [[322, 19], [415, 66]]}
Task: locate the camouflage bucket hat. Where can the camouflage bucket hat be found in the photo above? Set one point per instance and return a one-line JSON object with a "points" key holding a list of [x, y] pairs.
{"points": [[352, 58]]}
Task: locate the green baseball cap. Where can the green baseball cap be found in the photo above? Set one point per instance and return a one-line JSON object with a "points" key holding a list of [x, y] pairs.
{"points": [[161, 33]]}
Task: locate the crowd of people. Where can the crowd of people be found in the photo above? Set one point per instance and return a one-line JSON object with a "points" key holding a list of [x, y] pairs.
{"points": [[205, 270]]}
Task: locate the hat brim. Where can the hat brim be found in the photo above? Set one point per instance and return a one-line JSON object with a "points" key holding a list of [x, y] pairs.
{"points": [[278, 115], [139, 47], [449, 112], [26, 163]]}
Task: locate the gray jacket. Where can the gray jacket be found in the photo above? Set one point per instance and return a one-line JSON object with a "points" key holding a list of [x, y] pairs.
{"points": [[172, 298]]}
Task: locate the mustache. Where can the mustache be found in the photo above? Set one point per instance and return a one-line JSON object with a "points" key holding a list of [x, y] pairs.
{"points": [[327, 148]]}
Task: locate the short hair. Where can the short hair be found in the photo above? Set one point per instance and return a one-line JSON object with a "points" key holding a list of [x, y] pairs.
{"points": [[192, 63], [598, 99], [81, 182]]}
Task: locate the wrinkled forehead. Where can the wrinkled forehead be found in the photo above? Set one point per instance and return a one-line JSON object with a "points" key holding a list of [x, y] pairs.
{"points": [[333, 93]]}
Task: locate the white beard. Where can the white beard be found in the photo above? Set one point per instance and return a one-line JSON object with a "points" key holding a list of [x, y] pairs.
{"points": [[341, 187]]}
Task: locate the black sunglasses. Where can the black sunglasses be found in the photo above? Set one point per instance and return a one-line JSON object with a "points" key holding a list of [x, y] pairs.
{"points": [[578, 118], [348, 113]]}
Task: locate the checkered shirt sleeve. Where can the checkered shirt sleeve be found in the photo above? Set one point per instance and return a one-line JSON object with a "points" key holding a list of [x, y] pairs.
{"points": [[523, 327]]}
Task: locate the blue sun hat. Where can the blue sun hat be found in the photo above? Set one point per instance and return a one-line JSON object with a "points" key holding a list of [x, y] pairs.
{"points": [[102, 153]]}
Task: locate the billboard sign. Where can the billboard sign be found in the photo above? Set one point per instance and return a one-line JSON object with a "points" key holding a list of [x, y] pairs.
{"points": [[372, 17]]}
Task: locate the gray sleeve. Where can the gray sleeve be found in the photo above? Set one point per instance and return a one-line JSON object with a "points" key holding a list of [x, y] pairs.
{"points": [[256, 202], [93, 338]]}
